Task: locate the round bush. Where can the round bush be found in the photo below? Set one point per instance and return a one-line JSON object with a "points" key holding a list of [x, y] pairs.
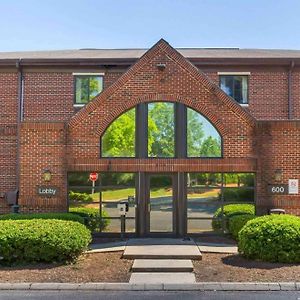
{"points": [[274, 238], [56, 216], [93, 219], [32, 241], [237, 222], [229, 211]]}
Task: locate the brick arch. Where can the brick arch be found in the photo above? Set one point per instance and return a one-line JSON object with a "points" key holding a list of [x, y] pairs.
{"points": [[155, 97]]}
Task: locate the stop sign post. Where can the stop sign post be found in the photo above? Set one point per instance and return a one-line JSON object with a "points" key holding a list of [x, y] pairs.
{"points": [[93, 179]]}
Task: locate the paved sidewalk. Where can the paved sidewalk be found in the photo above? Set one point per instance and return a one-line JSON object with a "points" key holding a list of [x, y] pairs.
{"points": [[200, 286], [217, 248], [107, 247]]}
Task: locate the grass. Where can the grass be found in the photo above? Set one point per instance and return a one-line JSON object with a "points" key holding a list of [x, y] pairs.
{"points": [[122, 194]]}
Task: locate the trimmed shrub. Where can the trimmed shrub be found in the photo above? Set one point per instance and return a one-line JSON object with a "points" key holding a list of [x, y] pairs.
{"points": [[80, 197], [93, 219], [273, 238], [236, 223], [229, 211], [56, 216], [238, 194], [33, 241]]}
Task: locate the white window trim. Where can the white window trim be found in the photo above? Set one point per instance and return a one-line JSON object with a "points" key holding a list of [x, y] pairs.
{"points": [[243, 104], [235, 73], [88, 74], [78, 105]]}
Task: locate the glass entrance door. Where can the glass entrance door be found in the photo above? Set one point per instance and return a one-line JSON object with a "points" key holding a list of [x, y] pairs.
{"points": [[160, 204]]}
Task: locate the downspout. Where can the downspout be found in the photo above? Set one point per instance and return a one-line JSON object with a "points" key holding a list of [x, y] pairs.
{"points": [[290, 100], [19, 120]]}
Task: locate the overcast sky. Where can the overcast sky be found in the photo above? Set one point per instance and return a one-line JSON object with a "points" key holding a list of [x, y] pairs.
{"points": [[73, 24]]}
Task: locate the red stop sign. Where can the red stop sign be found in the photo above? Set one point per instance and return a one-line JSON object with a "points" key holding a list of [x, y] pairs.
{"points": [[93, 176]]}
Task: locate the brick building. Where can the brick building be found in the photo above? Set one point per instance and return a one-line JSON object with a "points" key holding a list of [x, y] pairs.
{"points": [[205, 127]]}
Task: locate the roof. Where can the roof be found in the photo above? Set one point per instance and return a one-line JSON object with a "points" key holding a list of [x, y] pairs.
{"points": [[137, 53]]}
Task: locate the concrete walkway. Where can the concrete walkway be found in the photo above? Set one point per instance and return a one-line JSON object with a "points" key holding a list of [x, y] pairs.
{"points": [[162, 260], [161, 248], [203, 247]]}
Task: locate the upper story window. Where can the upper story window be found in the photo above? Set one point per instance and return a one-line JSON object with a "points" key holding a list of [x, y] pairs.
{"points": [[235, 86], [87, 86]]}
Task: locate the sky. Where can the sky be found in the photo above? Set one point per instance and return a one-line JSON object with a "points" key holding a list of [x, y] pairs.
{"points": [[74, 24]]}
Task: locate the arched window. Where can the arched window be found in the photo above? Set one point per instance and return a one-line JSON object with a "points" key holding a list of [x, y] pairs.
{"points": [[158, 126], [203, 140], [119, 138]]}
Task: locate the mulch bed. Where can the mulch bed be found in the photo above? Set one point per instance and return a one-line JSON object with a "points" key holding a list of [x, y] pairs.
{"points": [[96, 267], [228, 267]]}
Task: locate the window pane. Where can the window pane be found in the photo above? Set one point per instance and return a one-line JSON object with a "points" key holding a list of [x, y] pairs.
{"points": [[161, 129], [226, 84], [198, 180], [239, 187], [119, 138], [82, 90], [96, 85], [235, 87], [117, 187], [203, 140]]}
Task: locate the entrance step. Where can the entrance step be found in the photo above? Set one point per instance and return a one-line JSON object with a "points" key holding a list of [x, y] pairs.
{"points": [[161, 248], [156, 278], [162, 265]]}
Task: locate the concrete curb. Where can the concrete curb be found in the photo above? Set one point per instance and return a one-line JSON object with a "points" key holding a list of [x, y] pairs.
{"points": [[200, 286]]}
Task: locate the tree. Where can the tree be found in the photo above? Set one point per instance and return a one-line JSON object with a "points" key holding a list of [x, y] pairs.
{"points": [[161, 135], [210, 147], [119, 138]]}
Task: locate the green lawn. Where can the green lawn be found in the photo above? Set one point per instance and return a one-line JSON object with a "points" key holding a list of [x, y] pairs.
{"points": [[155, 193]]}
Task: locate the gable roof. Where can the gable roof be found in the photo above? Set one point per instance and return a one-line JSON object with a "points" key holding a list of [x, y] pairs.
{"points": [[184, 63]]}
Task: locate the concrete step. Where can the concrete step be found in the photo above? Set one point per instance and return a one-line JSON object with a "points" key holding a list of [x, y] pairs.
{"points": [[159, 278], [161, 249], [162, 265]]}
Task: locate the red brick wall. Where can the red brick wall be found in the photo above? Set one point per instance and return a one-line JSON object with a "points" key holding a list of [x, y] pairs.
{"points": [[296, 92], [278, 147], [42, 147], [8, 133], [48, 96]]}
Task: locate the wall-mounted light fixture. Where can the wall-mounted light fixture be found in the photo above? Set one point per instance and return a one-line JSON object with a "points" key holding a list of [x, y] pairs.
{"points": [[47, 175], [278, 175], [161, 66]]}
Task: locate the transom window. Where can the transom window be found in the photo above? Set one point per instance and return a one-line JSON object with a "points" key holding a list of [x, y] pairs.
{"points": [[235, 86], [161, 130], [87, 86]]}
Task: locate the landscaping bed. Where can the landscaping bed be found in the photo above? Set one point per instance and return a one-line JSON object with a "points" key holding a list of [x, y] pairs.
{"points": [[97, 267], [235, 268]]}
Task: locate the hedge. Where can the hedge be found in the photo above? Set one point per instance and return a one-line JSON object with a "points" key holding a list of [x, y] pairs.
{"points": [[56, 216], [33, 241], [273, 238], [236, 223], [79, 197], [229, 211], [93, 219]]}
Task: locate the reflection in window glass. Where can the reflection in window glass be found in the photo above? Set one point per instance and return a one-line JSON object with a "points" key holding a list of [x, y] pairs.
{"points": [[203, 140], [117, 187], [235, 86], [87, 87], [119, 138], [161, 129], [239, 187]]}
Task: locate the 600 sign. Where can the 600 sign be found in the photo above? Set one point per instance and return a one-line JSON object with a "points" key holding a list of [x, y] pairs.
{"points": [[278, 189]]}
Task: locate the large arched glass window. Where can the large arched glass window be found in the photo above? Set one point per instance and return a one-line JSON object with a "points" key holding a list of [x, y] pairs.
{"points": [[157, 130], [119, 138], [203, 140]]}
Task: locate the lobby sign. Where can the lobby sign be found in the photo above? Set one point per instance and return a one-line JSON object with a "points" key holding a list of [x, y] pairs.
{"points": [[278, 189], [47, 191], [293, 186]]}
